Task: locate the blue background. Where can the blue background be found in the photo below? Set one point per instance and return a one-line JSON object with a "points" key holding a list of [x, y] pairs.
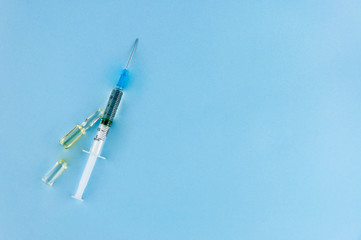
{"points": [[241, 119]]}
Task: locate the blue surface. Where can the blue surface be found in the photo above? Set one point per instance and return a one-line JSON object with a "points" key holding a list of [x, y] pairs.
{"points": [[241, 119]]}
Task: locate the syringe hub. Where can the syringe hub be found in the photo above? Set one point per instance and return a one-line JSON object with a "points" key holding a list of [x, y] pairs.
{"points": [[123, 79]]}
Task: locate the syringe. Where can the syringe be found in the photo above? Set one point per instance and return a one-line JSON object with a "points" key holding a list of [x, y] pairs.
{"points": [[103, 129]]}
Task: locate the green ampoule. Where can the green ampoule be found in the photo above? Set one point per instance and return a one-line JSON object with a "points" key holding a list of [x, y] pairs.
{"points": [[54, 172], [79, 130]]}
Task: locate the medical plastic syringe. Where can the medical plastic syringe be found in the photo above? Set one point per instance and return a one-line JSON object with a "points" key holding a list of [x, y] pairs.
{"points": [[103, 129]]}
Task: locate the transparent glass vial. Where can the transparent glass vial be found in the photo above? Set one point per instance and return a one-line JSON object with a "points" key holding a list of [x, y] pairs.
{"points": [[79, 130], [54, 172]]}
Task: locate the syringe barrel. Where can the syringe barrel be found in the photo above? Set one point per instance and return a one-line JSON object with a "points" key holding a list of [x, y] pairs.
{"points": [[112, 106], [101, 135]]}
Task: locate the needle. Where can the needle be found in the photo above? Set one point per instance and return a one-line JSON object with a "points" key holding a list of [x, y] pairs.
{"points": [[135, 44]]}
